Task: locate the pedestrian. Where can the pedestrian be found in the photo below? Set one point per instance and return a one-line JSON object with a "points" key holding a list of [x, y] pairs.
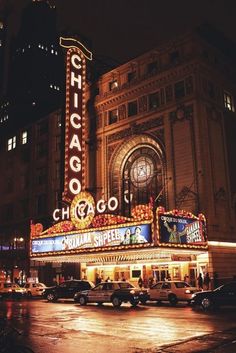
{"points": [[186, 278], [140, 282], [150, 282], [215, 280], [206, 281], [200, 281], [54, 282]]}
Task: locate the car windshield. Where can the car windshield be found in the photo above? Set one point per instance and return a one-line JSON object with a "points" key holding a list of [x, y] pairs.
{"points": [[181, 284]]}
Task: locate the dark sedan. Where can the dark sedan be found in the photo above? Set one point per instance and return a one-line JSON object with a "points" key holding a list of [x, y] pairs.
{"points": [[115, 292], [66, 289], [221, 296]]}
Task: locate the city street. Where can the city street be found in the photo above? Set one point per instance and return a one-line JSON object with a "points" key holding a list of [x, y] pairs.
{"points": [[67, 327]]}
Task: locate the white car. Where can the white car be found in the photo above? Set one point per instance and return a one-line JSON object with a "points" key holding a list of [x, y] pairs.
{"points": [[171, 291], [34, 289]]}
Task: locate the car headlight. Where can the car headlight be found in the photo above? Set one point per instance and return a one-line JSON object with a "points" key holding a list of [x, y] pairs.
{"points": [[132, 291], [187, 291], [193, 296]]}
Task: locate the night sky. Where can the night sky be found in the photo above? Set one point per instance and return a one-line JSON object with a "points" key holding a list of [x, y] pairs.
{"points": [[123, 29]]}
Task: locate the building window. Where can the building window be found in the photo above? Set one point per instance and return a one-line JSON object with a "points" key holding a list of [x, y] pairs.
{"points": [[58, 142], [113, 84], [24, 208], [154, 100], [228, 102], [113, 116], [42, 128], [169, 93], [11, 143], [41, 176], [58, 170], [8, 212], [152, 67], [41, 150], [9, 185], [132, 108], [142, 178], [24, 181], [41, 204], [189, 85], [131, 76], [174, 57], [179, 90], [24, 137]]}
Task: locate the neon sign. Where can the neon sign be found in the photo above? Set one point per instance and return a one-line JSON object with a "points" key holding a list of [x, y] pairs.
{"points": [[74, 120], [83, 208]]}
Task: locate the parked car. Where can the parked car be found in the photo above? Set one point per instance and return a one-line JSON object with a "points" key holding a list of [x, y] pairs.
{"points": [[115, 292], [34, 289], [221, 296], [171, 291], [66, 289], [12, 290]]}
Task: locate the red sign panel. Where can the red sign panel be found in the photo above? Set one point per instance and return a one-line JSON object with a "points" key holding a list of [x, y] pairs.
{"points": [[74, 125]]}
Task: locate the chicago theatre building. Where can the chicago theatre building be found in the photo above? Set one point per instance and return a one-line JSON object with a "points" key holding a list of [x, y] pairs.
{"points": [[149, 177]]}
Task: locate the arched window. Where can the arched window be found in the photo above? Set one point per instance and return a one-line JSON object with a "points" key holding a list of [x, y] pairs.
{"points": [[142, 178]]}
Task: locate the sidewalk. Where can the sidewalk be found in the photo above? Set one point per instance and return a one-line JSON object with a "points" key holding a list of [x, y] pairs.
{"points": [[218, 342]]}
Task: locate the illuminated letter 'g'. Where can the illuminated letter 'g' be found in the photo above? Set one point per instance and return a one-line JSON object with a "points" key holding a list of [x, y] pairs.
{"points": [[75, 164], [101, 207], [75, 186]]}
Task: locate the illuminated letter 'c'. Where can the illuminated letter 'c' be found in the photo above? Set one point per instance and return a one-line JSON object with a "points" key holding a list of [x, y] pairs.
{"points": [[73, 61], [55, 217], [72, 120]]}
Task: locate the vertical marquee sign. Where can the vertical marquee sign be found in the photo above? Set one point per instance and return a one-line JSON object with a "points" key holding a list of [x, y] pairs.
{"points": [[74, 171]]}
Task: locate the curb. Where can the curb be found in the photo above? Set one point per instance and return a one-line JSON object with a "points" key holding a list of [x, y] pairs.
{"points": [[204, 344]]}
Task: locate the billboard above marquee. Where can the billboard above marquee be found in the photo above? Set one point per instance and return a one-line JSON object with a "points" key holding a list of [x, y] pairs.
{"points": [[181, 228], [93, 239]]}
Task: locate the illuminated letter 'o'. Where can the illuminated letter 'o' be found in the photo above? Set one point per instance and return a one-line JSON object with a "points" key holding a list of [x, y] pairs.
{"points": [[75, 164], [112, 200], [75, 186]]}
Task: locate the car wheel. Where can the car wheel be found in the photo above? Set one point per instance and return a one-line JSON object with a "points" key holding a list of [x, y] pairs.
{"points": [[116, 302], [158, 302], [51, 297], [29, 295], [173, 299], [143, 301], [134, 303], [206, 304], [82, 301]]}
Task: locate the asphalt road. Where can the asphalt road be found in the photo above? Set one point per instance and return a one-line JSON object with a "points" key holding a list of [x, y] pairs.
{"points": [[66, 327]]}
